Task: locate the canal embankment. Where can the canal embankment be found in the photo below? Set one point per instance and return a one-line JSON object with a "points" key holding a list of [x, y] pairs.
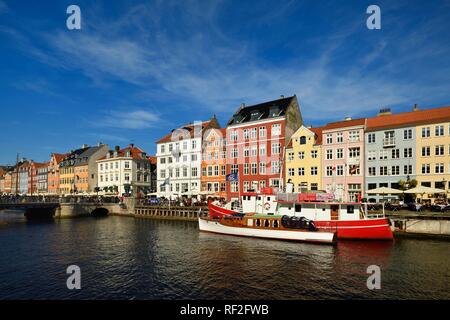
{"points": [[435, 224]]}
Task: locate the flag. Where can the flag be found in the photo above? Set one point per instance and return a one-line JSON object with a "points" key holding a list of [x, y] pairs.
{"points": [[167, 181], [232, 177]]}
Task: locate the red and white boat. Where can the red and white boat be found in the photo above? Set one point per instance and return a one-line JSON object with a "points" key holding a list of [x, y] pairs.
{"points": [[350, 220]]}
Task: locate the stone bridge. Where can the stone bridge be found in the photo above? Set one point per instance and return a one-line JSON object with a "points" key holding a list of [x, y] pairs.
{"points": [[50, 210]]}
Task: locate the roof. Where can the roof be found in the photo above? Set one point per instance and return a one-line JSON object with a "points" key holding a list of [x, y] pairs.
{"points": [[212, 123], [265, 110], [344, 124], [135, 153], [435, 115], [60, 156], [317, 131], [152, 159]]}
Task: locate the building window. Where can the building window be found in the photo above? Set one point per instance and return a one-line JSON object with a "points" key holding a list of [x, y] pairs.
{"points": [[290, 156], [439, 131], [275, 167], [340, 170], [223, 170], [276, 148], [262, 149], [425, 168], [426, 151], [407, 152], [353, 153], [407, 169], [254, 168], [314, 171], [302, 140], [262, 168], [301, 171], [383, 155], [395, 170], [246, 151], [339, 137], [339, 153], [329, 171], [372, 171], [425, 132], [353, 136], [291, 172], [439, 168], [234, 153], [383, 171], [439, 150], [329, 138], [276, 129], [371, 138], [234, 135], [301, 155], [314, 153], [246, 168], [395, 153], [234, 168], [163, 148], [407, 134], [329, 154], [371, 155], [262, 132], [314, 187]]}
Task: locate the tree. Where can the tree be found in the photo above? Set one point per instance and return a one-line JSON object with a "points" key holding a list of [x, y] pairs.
{"points": [[405, 185]]}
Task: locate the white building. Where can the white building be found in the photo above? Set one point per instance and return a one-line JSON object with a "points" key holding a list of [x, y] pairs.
{"points": [[179, 159], [125, 171]]}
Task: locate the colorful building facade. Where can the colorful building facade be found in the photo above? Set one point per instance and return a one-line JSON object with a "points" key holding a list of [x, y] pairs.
{"points": [[343, 159], [213, 172], [256, 140], [53, 172], [433, 151], [303, 160]]}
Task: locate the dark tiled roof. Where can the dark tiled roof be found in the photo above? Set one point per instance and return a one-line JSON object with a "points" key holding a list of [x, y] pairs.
{"points": [[134, 153], [266, 110]]}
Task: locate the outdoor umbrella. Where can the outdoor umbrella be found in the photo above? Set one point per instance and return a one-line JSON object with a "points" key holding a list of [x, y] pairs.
{"points": [[423, 190], [384, 190]]}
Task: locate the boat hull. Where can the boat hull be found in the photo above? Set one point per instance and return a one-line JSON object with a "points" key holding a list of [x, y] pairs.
{"points": [[292, 235], [370, 229]]}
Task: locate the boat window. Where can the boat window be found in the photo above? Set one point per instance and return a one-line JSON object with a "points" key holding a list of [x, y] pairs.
{"points": [[258, 223], [298, 208], [275, 224], [350, 209], [267, 223]]}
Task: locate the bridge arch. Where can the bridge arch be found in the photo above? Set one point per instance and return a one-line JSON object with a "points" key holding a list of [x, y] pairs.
{"points": [[100, 212]]}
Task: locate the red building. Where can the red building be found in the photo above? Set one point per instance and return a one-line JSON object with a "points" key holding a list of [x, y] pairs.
{"points": [[256, 140]]}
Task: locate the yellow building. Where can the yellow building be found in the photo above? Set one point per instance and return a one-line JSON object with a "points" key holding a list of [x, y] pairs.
{"points": [[303, 159], [433, 151]]}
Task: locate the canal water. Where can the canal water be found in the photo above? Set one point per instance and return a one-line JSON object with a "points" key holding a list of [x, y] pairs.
{"points": [[127, 258]]}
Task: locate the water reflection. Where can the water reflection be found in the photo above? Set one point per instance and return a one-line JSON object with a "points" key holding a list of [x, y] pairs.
{"points": [[126, 258]]}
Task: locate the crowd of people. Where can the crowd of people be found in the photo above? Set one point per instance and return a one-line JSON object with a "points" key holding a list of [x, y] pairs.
{"points": [[13, 198]]}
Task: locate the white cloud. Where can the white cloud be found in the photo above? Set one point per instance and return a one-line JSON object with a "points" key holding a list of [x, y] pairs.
{"points": [[199, 62], [138, 119]]}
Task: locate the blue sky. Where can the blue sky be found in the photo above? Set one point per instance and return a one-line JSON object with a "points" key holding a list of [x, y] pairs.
{"points": [[138, 69]]}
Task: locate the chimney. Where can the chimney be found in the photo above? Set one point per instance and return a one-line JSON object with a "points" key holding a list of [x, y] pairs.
{"points": [[282, 96], [416, 107], [84, 146], [347, 118], [309, 126], [384, 112], [131, 145], [242, 106], [117, 148]]}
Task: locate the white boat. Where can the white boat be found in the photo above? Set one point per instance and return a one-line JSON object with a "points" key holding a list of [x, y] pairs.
{"points": [[266, 226]]}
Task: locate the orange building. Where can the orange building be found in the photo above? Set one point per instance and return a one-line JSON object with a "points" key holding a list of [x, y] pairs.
{"points": [[214, 163], [53, 172]]}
